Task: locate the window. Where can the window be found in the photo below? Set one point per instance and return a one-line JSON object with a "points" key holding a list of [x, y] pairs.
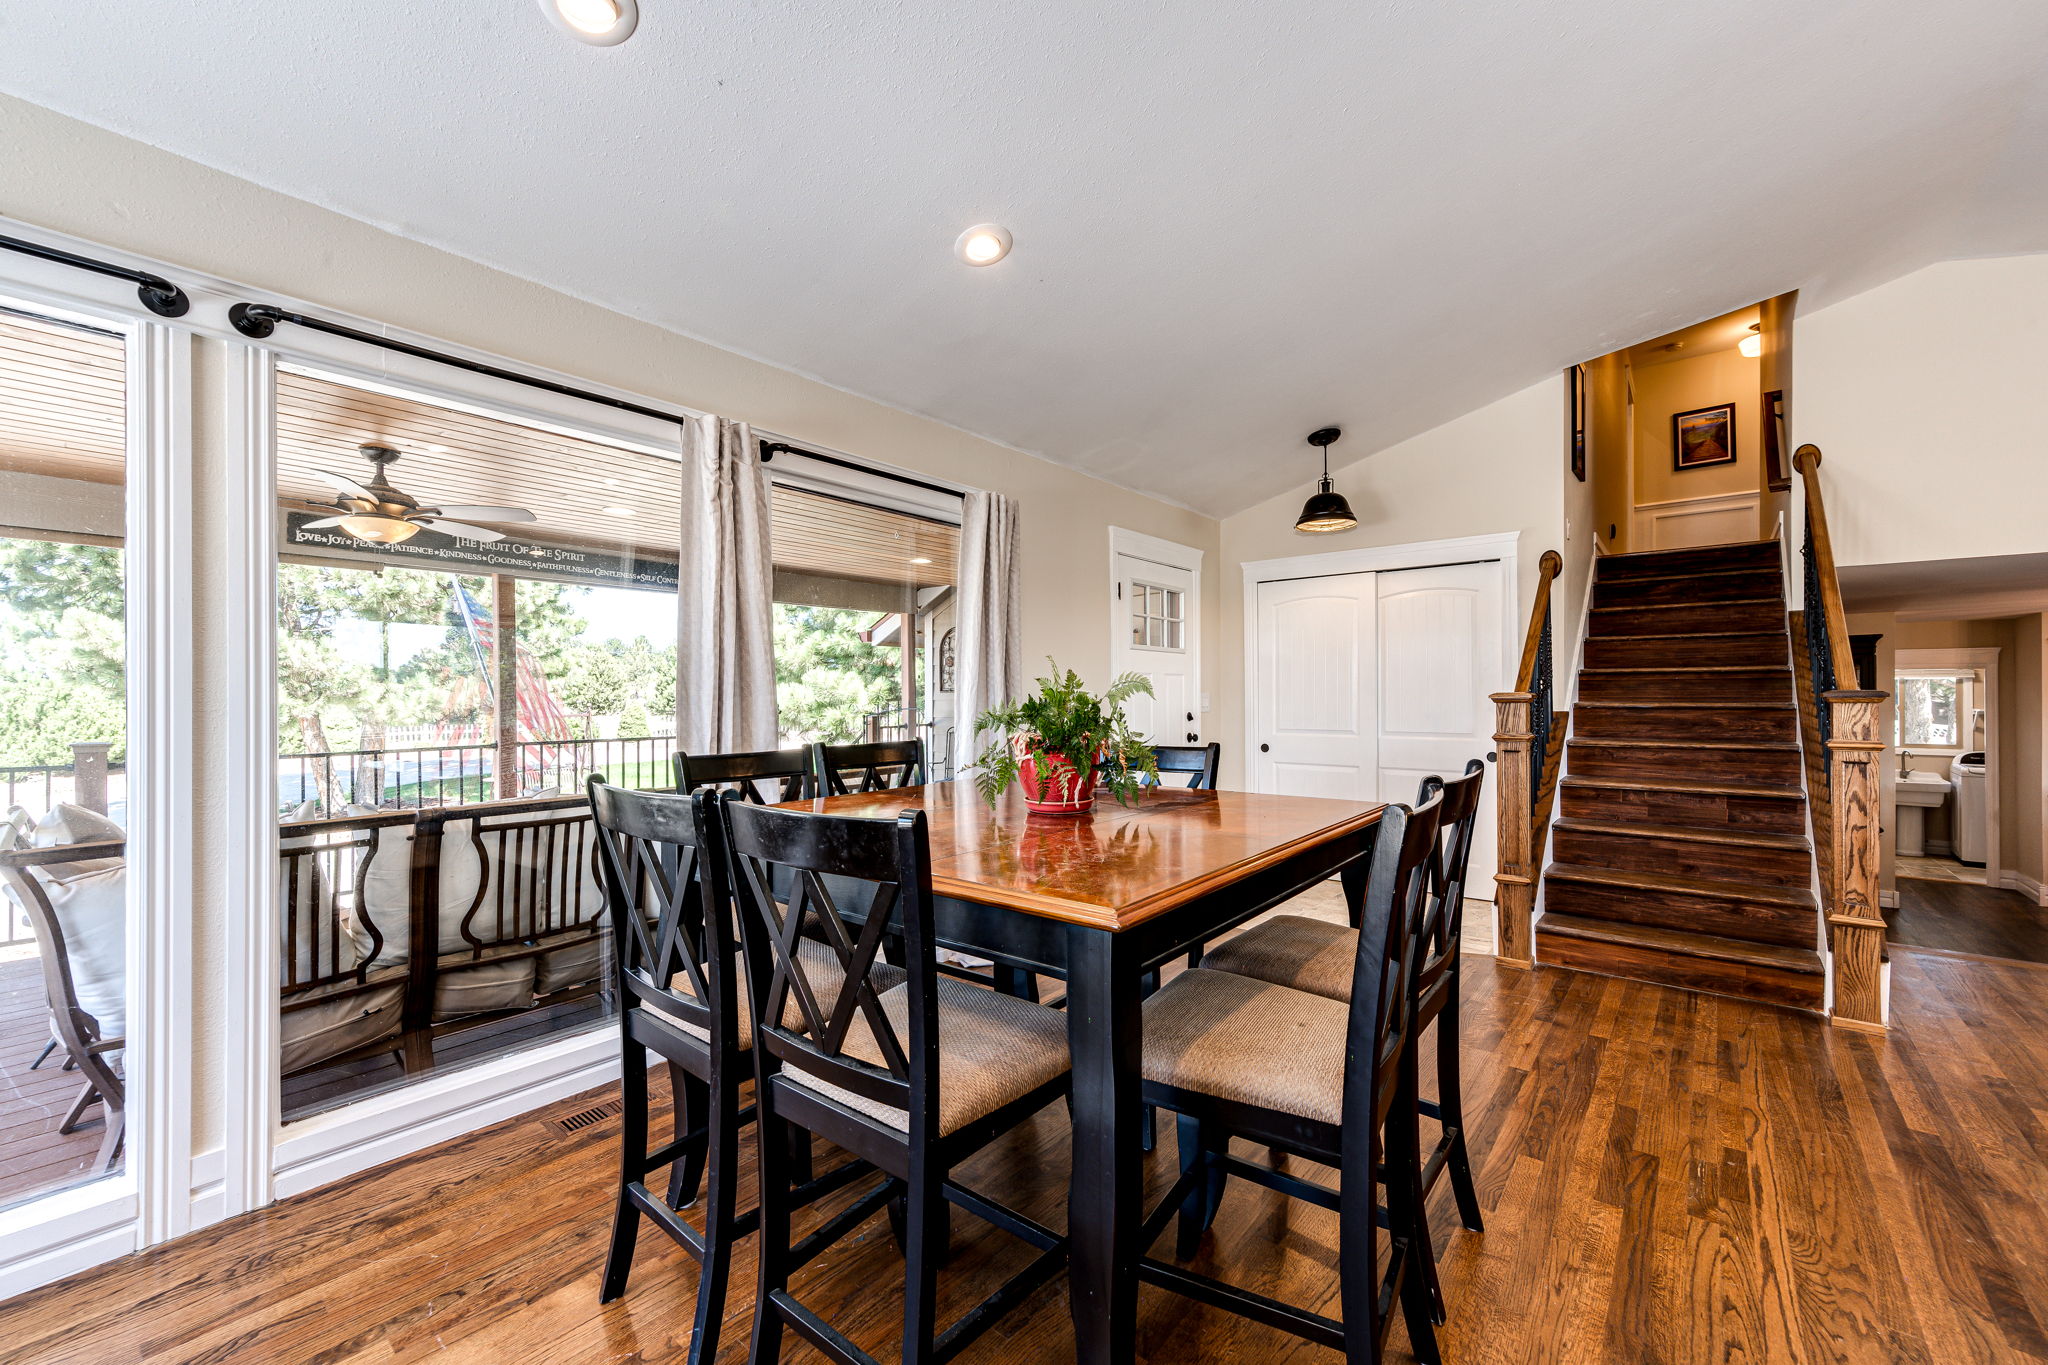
{"points": [[63, 750], [1158, 617], [1934, 710], [444, 692]]}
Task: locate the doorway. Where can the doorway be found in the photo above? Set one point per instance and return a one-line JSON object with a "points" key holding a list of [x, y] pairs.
{"points": [[1371, 669], [1156, 630]]}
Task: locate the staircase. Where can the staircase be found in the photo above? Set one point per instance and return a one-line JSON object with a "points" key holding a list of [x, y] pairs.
{"points": [[1680, 854]]}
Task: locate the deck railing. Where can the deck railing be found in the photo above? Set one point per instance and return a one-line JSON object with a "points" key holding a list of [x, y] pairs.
{"points": [[1526, 740], [427, 777], [1846, 719]]}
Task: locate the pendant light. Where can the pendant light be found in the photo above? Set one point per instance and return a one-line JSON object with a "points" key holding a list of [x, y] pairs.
{"points": [[1325, 510]]}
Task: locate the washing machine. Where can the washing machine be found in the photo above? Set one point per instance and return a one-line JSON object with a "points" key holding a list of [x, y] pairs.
{"points": [[1966, 775]]}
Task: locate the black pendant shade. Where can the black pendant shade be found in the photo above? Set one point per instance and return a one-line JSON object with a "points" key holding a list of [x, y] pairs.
{"points": [[1325, 509]]}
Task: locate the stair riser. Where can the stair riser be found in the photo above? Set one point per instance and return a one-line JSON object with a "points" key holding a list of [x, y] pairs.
{"points": [[1625, 592], [1759, 813], [1708, 616], [1762, 685], [1761, 650], [1685, 722], [1793, 990], [1761, 767], [1751, 921], [1787, 867], [1707, 559]]}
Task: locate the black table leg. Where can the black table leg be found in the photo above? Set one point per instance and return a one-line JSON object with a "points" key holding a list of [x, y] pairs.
{"points": [[1352, 875], [1103, 1022]]}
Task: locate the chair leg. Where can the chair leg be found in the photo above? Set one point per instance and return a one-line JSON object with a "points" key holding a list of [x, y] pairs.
{"points": [[773, 1242], [1451, 1105], [1194, 1210], [799, 1153], [927, 1235], [723, 1152], [86, 1095], [693, 1106], [110, 1145], [44, 1055], [1195, 956], [618, 1262]]}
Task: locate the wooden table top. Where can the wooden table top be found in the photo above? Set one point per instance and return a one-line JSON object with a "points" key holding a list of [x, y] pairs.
{"points": [[1115, 867]]}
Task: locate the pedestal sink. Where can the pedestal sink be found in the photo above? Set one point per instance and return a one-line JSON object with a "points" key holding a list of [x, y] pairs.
{"points": [[1917, 794]]}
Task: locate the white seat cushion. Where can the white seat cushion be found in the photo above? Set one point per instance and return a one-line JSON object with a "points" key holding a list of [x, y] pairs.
{"points": [[1310, 955], [993, 1048], [1250, 1042]]}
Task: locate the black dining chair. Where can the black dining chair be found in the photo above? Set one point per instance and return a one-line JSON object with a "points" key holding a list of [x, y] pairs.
{"points": [[875, 766], [1195, 762], [911, 1075], [1316, 956], [763, 777], [682, 999], [1311, 1077]]}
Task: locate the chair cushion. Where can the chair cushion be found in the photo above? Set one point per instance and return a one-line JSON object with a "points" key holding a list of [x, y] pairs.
{"points": [[1248, 1041], [821, 968], [1310, 955], [344, 1019], [993, 1048]]}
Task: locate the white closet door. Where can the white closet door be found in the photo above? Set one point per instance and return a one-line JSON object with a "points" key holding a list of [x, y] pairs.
{"points": [[1315, 728], [1158, 639], [1441, 656]]}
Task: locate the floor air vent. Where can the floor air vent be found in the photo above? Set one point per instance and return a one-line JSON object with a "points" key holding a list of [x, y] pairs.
{"points": [[583, 1118]]}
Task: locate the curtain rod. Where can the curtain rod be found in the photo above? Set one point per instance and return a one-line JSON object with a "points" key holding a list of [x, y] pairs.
{"points": [[158, 294], [259, 320]]}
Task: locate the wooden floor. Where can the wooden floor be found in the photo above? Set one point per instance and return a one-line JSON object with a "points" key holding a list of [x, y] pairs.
{"points": [[1967, 917], [1667, 1177]]}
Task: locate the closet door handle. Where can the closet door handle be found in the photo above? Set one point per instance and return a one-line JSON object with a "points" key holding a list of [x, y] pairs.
{"points": [[1265, 748]]}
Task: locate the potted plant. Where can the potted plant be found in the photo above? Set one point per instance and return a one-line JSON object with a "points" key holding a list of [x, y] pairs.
{"points": [[1059, 741]]}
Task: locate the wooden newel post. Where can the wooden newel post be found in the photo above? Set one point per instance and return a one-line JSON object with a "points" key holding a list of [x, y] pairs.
{"points": [[1855, 921], [1515, 881]]}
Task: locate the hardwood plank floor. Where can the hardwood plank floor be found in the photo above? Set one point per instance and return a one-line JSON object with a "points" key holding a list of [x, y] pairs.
{"points": [[1666, 1178], [1968, 917]]}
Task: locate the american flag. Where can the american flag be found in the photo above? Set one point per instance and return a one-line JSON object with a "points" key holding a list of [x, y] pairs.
{"points": [[540, 715]]}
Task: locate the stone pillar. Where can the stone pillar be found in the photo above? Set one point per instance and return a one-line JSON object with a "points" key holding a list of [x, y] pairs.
{"points": [[89, 773]]}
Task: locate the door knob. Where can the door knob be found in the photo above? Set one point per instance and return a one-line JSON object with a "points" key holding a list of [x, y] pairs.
{"points": [[1191, 715], [1192, 736], [1265, 748], [1492, 757]]}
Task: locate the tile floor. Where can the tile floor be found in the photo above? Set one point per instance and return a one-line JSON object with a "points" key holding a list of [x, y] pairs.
{"points": [[1938, 870]]}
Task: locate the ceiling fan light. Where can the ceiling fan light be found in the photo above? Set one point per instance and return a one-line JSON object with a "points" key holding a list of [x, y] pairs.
{"points": [[381, 529]]}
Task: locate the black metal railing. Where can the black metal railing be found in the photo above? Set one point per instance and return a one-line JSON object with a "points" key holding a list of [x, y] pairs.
{"points": [[899, 723], [1542, 693], [1820, 650], [425, 777]]}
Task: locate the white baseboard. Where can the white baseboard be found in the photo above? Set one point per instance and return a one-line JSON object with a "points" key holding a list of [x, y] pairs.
{"points": [[63, 1233], [2026, 886], [1888, 900], [1938, 848], [209, 1188]]}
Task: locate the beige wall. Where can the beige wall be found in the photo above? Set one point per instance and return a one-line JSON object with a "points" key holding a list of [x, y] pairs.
{"points": [[2021, 808], [1923, 395], [69, 177], [1680, 386], [1611, 439], [1501, 468]]}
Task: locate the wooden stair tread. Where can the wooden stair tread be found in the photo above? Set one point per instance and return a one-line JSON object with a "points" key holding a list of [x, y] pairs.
{"points": [[1695, 606], [1719, 834], [1680, 943], [1639, 743], [1632, 784], [1686, 668], [1663, 883], [1692, 705], [1705, 573], [1701, 634]]}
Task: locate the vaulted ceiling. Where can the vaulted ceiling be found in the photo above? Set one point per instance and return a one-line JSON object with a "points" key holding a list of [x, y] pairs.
{"points": [[1234, 222]]}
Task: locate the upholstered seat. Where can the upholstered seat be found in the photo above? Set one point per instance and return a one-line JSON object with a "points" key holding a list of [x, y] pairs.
{"points": [[993, 1048], [1248, 1042], [1310, 955], [821, 968]]}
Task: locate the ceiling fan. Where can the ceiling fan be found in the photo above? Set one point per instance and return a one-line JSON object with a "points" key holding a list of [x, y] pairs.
{"points": [[380, 512]]}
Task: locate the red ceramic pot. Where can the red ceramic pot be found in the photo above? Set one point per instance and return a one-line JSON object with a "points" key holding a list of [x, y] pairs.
{"points": [[1054, 786]]}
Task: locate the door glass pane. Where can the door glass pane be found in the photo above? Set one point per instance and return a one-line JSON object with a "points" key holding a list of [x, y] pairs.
{"points": [[449, 687], [864, 625], [63, 752]]}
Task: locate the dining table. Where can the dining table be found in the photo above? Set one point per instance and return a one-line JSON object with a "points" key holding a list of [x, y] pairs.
{"points": [[1102, 900]]}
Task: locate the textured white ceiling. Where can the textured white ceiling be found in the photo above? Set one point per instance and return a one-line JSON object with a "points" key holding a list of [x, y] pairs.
{"points": [[1234, 222]]}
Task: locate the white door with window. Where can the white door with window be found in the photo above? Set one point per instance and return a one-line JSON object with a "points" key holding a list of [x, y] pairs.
{"points": [[1156, 636]]}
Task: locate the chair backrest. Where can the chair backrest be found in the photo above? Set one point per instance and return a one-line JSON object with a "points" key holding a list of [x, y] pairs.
{"points": [[851, 883], [79, 1028], [663, 861], [1444, 907], [1198, 761], [877, 766], [1382, 1004], [785, 773]]}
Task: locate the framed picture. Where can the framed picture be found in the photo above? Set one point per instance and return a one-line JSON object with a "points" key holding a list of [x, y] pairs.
{"points": [[1702, 437], [1774, 440], [1577, 377]]}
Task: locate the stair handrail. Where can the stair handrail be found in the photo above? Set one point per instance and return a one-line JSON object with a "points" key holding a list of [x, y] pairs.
{"points": [[1522, 720], [1847, 717]]}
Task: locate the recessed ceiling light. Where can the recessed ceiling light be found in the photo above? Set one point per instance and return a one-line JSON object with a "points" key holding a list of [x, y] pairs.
{"points": [[920, 560], [616, 511], [983, 244], [601, 22]]}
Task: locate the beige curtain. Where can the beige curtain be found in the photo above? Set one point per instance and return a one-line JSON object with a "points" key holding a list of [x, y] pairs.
{"points": [[725, 648], [989, 647]]}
